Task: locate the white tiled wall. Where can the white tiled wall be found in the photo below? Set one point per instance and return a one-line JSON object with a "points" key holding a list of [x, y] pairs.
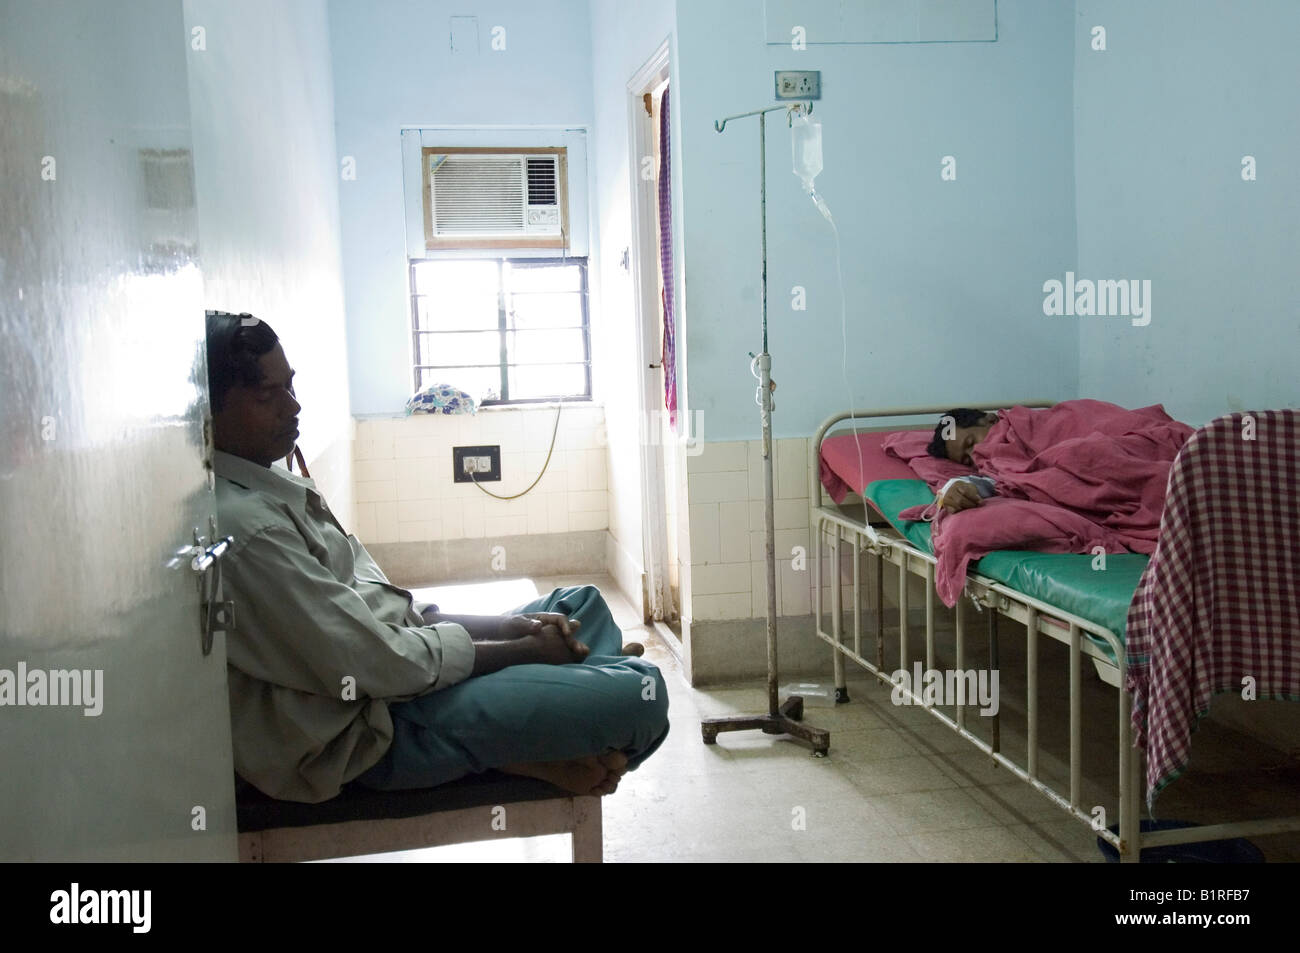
{"points": [[405, 492], [728, 564]]}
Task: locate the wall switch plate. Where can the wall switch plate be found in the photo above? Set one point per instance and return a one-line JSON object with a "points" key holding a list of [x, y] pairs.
{"points": [[476, 464], [798, 84]]}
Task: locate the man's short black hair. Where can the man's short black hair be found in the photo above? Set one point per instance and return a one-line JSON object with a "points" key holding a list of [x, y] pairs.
{"points": [[962, 417], [235, 344]]}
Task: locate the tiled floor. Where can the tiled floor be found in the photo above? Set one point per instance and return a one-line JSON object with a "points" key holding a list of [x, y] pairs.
{"points": [[897, 786]]}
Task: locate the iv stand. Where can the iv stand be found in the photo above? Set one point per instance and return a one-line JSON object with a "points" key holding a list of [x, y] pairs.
{"points": [[781, 719]]}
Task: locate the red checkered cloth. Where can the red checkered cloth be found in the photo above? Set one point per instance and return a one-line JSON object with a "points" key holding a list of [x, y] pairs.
{"points": [[1219, 602]]}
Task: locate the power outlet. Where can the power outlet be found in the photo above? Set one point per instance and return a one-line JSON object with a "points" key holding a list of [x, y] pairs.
{"points": [[476, 464], [798, 84]]}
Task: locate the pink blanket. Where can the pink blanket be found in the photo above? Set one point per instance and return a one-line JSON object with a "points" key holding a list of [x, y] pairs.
{"points": [[1070, 478], [1105, 463], [999, 523]]}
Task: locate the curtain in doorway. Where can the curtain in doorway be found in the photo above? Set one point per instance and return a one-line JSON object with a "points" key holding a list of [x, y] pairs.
{"points": [[666, 259]]}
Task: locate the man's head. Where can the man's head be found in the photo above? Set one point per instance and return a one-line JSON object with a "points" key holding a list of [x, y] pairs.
{"points": [[959, 430], [254, 413]]}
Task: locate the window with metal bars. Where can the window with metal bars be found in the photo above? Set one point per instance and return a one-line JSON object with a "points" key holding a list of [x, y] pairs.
{"points": [[505, 331]]}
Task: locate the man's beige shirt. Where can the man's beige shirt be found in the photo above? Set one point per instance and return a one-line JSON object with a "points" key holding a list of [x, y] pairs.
{"points": [[321, 638]]}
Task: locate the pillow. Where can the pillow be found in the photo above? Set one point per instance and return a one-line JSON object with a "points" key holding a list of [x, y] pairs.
{"points": [[909, 446], [440, 399]]}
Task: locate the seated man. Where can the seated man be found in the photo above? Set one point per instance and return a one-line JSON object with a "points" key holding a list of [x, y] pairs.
{"points": [[957, 432], [335, 675]]}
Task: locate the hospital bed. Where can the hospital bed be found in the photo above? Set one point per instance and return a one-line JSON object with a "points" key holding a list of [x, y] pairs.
{"points": [[1054, 596]]}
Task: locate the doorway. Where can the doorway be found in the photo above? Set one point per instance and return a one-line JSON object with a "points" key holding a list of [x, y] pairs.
{"points": [[663, 463]]}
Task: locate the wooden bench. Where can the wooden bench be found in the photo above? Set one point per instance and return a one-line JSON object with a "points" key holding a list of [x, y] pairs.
{"points": [[361, 821]]}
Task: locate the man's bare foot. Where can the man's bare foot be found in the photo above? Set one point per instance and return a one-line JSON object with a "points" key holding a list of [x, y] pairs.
{"points": [[634, 648], [596, 776], [615, 763]]}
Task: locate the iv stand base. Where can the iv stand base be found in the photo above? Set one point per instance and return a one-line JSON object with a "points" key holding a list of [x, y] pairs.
{"points": [[786, 721]]}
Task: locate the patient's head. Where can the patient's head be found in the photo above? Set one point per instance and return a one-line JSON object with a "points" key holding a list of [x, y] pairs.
{"points": [[959, 430], [254, 413]]}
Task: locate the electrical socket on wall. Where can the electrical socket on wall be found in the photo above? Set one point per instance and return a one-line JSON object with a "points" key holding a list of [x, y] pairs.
{"points": [[476, 464], [798, 84]]}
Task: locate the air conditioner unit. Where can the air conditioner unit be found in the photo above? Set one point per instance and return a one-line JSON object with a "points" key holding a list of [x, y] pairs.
{"points": [[483, 198]]}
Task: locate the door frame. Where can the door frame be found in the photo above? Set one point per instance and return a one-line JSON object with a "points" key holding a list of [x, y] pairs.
{"points": [[657, 593]]}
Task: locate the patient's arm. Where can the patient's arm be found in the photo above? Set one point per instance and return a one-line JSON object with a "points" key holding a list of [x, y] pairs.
{"points": [[962, 493], [481, 628], [960, 496], [548, 647], [494, 635], [501, 628]]}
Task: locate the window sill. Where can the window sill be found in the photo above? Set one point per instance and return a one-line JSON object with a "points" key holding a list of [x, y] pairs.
{"points": [[493, 409], [540, 405]]}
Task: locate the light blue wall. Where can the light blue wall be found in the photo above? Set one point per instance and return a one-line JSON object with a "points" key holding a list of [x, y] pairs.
{"points": [[943, 279], [393, 67], [1164, 117], [267, 196]]}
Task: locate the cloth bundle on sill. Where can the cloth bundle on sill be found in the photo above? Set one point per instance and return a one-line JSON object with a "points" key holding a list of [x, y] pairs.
{"points": [[440, 399]]}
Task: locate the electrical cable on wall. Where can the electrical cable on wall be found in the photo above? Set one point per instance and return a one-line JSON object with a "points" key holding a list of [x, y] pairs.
{"points": [[514, 496]]}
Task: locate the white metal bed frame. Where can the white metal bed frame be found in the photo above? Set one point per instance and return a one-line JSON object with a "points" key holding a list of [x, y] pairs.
{"points": [[829, 528]]}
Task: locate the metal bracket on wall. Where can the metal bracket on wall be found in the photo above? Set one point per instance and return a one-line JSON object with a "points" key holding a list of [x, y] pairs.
{"points": [[215, 614]]}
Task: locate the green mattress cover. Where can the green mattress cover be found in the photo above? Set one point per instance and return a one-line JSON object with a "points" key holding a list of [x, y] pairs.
{"points": [[1066, 580]]}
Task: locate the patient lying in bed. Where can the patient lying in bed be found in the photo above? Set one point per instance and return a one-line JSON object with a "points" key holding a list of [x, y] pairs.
{"points": [[1088, 455], [1083, 476]]}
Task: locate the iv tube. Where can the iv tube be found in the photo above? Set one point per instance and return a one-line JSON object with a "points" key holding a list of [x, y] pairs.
{"points": [[806, 148]]}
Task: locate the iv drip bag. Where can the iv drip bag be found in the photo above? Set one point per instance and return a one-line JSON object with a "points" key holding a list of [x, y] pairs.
{"points": [[806, 144]]}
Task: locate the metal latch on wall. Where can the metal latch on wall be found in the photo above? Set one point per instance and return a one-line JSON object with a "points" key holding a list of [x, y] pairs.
{"points": [[215, 613]]}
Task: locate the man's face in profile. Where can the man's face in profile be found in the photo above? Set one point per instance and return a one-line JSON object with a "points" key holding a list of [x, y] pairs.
{"points": [[964, 438], [260, 423]]}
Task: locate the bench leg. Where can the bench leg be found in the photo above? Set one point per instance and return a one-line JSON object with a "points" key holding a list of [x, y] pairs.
{"points": [[250, 848], [588, 832]]}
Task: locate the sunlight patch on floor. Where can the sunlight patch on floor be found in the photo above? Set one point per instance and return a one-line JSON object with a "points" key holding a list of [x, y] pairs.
{"points": [[479, 598]]}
